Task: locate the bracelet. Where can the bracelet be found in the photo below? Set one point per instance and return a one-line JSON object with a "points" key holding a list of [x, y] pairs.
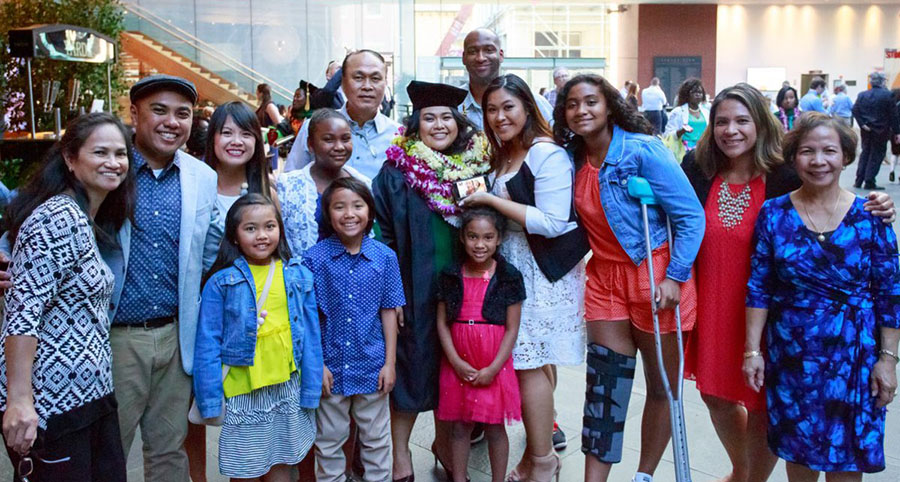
{"points": [[751, 354], [889, 353]]}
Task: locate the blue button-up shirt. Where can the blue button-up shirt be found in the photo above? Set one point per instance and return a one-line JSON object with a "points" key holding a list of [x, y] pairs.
{"points": [[151, 281], [351, 290], [475, 114], [370, 143], [842, 106], [812, 102]]}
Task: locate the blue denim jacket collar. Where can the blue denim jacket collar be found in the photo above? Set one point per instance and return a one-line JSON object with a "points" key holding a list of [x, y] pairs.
{"points": [[226, 332], [616, 147]]}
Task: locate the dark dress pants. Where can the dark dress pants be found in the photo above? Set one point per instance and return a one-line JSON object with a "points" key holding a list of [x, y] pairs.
{"points": [[874, 147], [656, 119]]}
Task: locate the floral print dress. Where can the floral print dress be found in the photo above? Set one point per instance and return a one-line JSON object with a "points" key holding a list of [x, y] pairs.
{"points": [[827, 301]]}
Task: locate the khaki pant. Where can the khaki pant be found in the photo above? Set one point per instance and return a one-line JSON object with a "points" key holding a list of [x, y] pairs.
{"points": [[154, 392], [373, 421]]}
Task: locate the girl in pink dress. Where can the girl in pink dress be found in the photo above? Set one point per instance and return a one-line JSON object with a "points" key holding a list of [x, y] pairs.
{"points": [[479, 303]]}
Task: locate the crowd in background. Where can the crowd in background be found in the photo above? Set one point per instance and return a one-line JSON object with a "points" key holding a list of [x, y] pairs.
{"points": [[312, 310]]}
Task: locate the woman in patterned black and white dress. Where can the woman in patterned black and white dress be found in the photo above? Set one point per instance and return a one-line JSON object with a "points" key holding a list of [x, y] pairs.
{"points": [[56, 389]]}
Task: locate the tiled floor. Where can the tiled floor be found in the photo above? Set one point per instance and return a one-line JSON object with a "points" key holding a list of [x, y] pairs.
{"points": [[708, 459]]}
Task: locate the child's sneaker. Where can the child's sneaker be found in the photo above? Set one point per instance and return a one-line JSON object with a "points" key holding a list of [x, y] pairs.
{"points": [[642, 477], [559, 437]]}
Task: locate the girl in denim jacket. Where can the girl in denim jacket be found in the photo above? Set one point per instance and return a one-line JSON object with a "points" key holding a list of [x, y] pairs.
{"points": [[613, 143], [258, 345]]}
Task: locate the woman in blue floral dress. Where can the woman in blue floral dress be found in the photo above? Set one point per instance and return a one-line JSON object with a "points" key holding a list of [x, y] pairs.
{"points": [[825, 286]]}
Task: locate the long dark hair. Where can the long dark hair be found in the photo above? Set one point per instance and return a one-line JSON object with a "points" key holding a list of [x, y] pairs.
{"points": [[229, 251], [257, 168], [264, 95], [465, 130], [535, 124], [684, 92], [55, 178], [621, 113]]}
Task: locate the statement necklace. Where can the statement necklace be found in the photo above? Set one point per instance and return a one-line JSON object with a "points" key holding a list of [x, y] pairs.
{"points": [[732, 206], [815, 229], [432, 174]]}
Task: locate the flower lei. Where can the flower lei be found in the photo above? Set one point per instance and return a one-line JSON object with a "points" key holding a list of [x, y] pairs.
{"points": [[432, 174], [784, 118]]}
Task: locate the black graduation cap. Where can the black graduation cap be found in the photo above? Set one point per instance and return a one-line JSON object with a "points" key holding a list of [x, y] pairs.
{"points": [[308, 87], [427, 94]]}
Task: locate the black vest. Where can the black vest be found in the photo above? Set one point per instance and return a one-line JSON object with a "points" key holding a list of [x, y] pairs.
{"points": [[555, 256]]}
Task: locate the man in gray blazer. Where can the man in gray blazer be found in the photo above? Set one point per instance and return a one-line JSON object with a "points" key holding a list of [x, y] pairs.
{"points": [[156, 301]]}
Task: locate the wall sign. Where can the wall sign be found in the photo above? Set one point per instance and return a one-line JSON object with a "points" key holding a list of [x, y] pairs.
{"points": [[62, 42], [672, 71]]}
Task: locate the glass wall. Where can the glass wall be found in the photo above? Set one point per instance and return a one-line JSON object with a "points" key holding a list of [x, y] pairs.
{"points": [[290, 40], [536, 37]]}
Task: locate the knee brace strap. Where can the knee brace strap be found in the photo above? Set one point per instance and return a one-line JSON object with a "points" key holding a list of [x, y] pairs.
{"points": [[610, 376]]}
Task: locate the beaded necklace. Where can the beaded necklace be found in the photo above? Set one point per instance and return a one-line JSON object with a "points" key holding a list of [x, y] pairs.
{"points": [[732, 206]]}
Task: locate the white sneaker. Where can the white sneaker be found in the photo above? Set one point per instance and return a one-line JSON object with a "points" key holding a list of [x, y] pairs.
{"points": [[642, 477]]}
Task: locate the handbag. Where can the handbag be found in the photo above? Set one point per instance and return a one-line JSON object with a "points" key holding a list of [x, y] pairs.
{"points": [[194, 415]]}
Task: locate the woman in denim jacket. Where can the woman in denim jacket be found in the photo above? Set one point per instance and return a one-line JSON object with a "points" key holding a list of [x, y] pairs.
{"points": [[613, 143], [271, 354]]}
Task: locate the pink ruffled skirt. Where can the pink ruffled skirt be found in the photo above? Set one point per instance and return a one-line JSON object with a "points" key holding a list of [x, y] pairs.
{"points": [[459, 400]]}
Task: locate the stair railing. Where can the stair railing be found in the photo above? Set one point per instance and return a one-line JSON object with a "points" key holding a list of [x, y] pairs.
{"points": [[247, 78]]}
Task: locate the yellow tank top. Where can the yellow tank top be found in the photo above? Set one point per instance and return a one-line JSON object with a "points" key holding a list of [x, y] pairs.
{"points": [[273, 361]]}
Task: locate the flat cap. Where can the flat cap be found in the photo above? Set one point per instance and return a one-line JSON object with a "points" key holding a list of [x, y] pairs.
{"points": [[156, 83], [427, 94]]}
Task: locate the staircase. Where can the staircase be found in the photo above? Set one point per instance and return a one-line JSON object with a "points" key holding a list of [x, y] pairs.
{"points": [[152, 44], [142, 55]]}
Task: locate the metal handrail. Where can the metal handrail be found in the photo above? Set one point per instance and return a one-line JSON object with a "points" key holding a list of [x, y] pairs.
{"points": [[196, 43]]}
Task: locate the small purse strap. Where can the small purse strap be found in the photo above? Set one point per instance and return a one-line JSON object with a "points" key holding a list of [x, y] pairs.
{"points": [[259, 303], [265, 291]]}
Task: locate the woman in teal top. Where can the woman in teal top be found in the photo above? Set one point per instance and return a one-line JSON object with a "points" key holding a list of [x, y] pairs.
{"points": [[788, 111], [697, 124], [687, 121]]}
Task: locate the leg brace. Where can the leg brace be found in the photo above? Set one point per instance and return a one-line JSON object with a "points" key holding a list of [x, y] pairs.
{"points": [[609, 379]]}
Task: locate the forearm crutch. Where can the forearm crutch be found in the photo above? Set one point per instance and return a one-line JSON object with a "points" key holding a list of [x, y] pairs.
{"points": [[640, 189]]}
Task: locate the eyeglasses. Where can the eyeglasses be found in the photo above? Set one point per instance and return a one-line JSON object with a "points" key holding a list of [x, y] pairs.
{"points": [[24, 468]]}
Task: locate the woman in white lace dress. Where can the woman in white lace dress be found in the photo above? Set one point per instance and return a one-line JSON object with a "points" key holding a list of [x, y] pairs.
{"points": [[532, 186]]}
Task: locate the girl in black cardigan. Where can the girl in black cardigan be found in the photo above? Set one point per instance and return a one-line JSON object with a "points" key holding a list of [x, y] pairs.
{"points": [[479, 304]]}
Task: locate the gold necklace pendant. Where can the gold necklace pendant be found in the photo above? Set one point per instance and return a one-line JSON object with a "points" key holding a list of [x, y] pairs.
{"points": [[815, 229]]}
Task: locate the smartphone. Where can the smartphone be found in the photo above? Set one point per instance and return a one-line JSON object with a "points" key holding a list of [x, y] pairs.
{"points": [[466, 187]]}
